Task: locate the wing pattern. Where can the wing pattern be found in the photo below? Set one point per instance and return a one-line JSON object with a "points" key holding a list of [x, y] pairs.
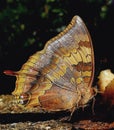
{"points": [[60, 76]]}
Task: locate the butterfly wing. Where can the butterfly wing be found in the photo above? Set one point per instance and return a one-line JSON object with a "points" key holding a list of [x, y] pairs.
{"points": [[60, 76]]}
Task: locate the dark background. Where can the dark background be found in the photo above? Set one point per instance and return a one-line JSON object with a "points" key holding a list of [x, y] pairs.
{"points": [[26, 25]]}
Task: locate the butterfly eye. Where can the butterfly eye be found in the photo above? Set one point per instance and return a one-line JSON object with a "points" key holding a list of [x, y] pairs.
{"points": [[24, 98]]}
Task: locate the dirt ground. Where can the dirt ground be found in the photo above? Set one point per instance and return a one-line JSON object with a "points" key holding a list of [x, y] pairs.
{"points": [[14, 117]]}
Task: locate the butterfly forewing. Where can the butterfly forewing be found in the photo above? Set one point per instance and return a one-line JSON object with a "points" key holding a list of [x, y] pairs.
{"points": [[60, 76]]}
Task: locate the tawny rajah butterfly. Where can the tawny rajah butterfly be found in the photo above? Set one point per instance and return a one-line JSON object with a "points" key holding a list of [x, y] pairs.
{"points": [[60, 76]]}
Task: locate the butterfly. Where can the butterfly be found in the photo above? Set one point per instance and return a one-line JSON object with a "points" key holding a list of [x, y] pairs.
{"points": [[59, 77]]}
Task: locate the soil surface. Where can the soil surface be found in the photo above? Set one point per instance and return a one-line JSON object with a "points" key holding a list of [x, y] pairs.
{"points": [[15, 117]]}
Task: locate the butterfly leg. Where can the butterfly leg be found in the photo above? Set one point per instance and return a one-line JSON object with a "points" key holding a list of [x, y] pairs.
{"points": [[68, 117], [72, 111]]}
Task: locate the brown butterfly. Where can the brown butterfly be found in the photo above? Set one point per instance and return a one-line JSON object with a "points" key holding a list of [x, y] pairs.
{"points": [[60, 76]]}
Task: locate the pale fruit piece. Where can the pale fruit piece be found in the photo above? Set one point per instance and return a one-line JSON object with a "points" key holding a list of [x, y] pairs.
{"points": [[105, 77], [106, 86], [108, 95]]}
